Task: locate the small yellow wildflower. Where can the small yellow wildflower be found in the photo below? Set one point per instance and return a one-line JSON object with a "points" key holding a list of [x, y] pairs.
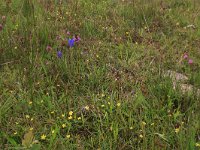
{"points": [[43, 137], [41, 101], [108, 103], [79, 118], [127, 33], [143, 123], [63, 115], [197, 144], [52, 112], [53, 131], [31, 129], [15, 47], [102, 105], [71, 113], [177, 130], [131, 128], [15, 133], [30, 103], [152, 124], [87, 107], [32, 119], [27, 116], [70, 117], [102, 95], [64, 125], [141, 136], [68, 136], [118, 104]]}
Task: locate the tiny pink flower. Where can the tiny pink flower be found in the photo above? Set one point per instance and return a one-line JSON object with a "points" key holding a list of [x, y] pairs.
{"points": [[58, 37], [190, 61], [185, 56], [3, 18], [76, 38], [48, 48], [68, 33]]}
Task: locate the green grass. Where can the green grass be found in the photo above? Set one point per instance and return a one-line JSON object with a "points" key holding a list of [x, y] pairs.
{"points": [[112, 79]]}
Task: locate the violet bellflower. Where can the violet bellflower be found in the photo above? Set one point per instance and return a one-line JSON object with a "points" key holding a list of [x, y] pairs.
{"points": [[59, 54], [71, 42]]}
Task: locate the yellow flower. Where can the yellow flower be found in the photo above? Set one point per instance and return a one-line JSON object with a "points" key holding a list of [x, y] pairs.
{"points": [[177, 130], [52, 112], [31, 119], [87, 107], [141, 136], [127, 33], [152, 124], [143, 123], [68, 136], [71, 113], [131, 128], [27, 116], [43, 137], [102, 105], [197, 144], [64, 125], [41, 101], [15, 132], [108, 103], [63, 115], [118, 104], [70, 117], [30, 103], [79, 118], [53, 131], [31, 129]]}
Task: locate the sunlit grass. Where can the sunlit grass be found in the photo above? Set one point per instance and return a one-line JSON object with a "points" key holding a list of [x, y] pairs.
{"points": [[89, 74]]}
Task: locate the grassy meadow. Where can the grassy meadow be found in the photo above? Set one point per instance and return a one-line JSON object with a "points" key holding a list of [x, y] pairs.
{"points": [[90, 74]]}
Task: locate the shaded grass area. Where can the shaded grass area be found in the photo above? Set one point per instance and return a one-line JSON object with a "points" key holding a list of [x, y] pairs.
{"points": [[106, 92]]}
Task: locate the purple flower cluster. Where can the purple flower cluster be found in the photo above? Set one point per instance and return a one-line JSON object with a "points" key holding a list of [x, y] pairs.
{"points": [[70, 43], [186, 56]]}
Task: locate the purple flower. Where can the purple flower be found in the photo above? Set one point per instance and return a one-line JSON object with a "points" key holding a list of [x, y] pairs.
{"points": [[58, 37], [59, 54], [185, 56], [190, 61], [1, 27], [71, 42], [48, 48], [77, 38]]}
